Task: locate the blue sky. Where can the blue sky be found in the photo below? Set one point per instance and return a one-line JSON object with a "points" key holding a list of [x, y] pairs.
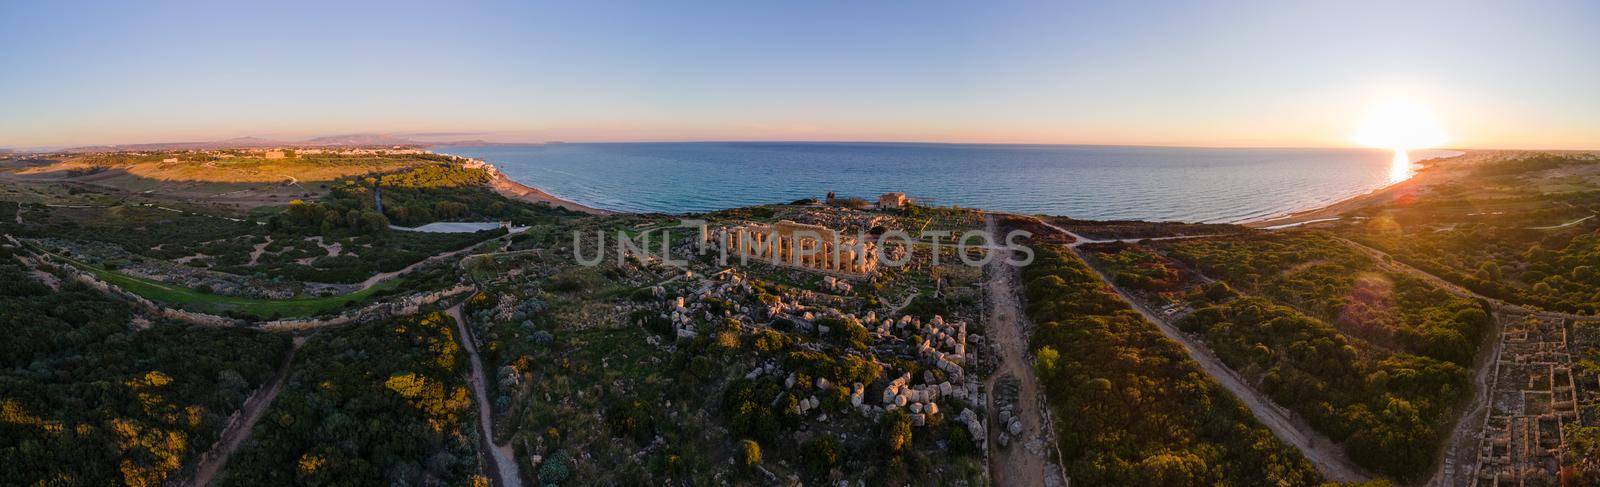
{"points": [[1496, 74]]}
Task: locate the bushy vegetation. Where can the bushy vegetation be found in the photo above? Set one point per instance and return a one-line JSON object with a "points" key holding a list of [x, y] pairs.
{"points": [[443, 192], [1374, 359], [1132, 409], [125, 406], [1583, 466], [294, 257], [381, 403], [1324, 278], [1521, 228], [1552, 269], [144, 230], [1137, 267], [1391, 410], [1131, 229]]}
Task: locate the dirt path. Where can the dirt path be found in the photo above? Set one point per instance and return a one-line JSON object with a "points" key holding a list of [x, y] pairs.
{"points": [[383, 276], [1551, 227], [1457, 460], [1327, 456], [504, 468], [1018, 464], [255, 254], [211, 462]]}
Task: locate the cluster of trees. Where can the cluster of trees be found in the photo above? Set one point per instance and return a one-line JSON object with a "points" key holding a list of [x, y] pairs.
{"points": [[1125, 229], [436, 176], [418, 196], [1137, 267], [433, 193], [1552, 269], [1327, 280], [383, 403], [1373, 359], [1391, 410], [1527, 163], [325, 218], [125, 406], [1133, 409]]}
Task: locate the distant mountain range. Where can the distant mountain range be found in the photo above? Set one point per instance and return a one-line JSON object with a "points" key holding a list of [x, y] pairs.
{"points": [[348, 140]]}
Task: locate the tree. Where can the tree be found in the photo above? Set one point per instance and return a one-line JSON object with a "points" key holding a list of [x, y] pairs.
{"points": [[821, 454], [1047, 359], [1172, 469], [897, 430]]}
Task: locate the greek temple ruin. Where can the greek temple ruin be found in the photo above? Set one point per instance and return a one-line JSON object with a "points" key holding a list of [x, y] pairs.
{"points": [[786, 243]]}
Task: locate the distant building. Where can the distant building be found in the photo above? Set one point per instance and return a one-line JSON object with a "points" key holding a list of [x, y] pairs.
{"points": [[275, 154], [170, 159], [892, 200]]}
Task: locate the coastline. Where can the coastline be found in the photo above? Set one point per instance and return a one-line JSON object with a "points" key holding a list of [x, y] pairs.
{"points": [[518, 191], [505, 186], [521, 192], [1333, 211]]}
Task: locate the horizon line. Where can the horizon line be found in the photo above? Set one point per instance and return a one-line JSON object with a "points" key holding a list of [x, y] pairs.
{"points": [[467, 138]]}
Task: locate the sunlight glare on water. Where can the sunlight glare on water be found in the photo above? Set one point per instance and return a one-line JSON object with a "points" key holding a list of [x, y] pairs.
{"points": [[1400, 168]]}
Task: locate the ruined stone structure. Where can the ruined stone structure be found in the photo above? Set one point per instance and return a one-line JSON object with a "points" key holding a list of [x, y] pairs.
{"points": [[1533, 401], [786, 243], [892, 200]]}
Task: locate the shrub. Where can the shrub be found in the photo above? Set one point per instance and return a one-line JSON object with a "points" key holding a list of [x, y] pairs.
{"points": [[821, 454], [749, 454]]}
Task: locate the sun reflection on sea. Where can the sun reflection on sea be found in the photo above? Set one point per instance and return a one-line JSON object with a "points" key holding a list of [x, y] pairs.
{"points": [[1400, 169]]}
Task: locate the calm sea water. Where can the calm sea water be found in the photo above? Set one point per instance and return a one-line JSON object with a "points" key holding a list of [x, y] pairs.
{"points": [[1091, 182]]}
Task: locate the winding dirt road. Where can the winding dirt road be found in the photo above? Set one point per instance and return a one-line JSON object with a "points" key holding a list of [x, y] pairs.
{"points": [[211, 462], [504, 466]]}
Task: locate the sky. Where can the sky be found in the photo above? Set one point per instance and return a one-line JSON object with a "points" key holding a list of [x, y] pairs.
{"points": [[1273, 73]]}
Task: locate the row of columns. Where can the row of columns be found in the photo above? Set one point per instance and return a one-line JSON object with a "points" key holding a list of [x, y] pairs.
{"points": [[811, 253]]}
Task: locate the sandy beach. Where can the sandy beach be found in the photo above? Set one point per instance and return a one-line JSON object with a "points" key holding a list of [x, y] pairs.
{"points": [[1428, 174], [518, 191], [514, 190]]}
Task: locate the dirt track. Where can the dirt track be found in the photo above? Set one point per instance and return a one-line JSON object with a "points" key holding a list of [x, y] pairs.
{"points": [[211, 462], [1018, 464], [504, 466], [1327, 456]]}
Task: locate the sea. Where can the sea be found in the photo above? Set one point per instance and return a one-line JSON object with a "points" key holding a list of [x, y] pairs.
{"points": [[1211, 185]]}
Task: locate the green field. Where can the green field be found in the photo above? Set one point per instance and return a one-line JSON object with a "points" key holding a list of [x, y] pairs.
{"points": [[229, 305]]}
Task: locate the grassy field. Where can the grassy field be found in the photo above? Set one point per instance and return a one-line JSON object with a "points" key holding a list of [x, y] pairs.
{"points": [[242, 169], [226, 305]]}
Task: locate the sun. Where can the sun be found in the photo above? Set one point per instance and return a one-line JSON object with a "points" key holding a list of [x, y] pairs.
{"points": [[1400, 124]]}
